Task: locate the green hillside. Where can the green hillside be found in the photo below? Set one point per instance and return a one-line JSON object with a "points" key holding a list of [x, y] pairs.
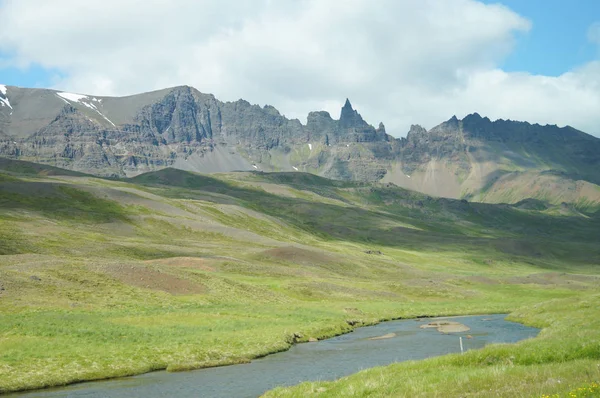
{"points": [[175, 270]]}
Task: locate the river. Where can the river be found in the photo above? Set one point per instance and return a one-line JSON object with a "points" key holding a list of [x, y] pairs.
{"points": [[325, 360]]}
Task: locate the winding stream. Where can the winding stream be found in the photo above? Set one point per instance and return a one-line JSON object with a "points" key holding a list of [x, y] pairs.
{"points": [[326, 360]]}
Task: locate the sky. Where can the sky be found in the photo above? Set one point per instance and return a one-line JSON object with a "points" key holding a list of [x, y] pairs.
{"points": [[401, 62]]}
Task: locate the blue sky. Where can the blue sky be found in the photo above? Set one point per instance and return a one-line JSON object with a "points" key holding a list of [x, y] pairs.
{"points": [[33, 76], [557, 41]]}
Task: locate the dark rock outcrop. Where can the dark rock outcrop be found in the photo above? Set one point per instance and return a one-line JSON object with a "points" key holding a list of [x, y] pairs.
{"points": [[184, 128]]}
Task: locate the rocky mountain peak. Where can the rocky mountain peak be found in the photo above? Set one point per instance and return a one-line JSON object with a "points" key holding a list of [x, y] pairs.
{"points": [[449, 126], [475, 124], [319, 114], [350, 117], [475, 118], [347, 110], [416, 129], [415, 134], [271, 110]]}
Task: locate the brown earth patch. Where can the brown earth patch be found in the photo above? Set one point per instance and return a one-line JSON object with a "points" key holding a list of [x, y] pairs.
{"points": [[446, 326], [484, 280], [592, 279], [384, 337], [297, 255], [434, 281], [553, 278], [324, 289], [153, 279], [185, 262], [353, 310], [531, 279]]}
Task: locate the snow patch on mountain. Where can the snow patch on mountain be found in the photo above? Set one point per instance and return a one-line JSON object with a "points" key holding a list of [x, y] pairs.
{"points": [[82, 100], [73, 97], [4, 101]]}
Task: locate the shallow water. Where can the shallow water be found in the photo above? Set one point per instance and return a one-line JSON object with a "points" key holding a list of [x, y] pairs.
{"points": [[325, 360]]}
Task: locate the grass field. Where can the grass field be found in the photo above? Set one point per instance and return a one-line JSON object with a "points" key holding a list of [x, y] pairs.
{"points": [[174, 270]]}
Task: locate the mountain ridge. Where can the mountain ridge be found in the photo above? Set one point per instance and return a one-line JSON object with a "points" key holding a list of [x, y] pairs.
{"points": [[183, 128]]}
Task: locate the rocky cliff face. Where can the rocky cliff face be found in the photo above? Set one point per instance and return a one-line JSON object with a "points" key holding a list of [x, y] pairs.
{"points": [[520, 145], [184, 128], [468, 158]]}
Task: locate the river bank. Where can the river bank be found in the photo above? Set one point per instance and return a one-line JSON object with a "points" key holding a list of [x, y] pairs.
{"points": [[324, 360]]}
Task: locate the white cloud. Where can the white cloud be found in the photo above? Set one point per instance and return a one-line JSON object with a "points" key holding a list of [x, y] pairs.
{"points": [[399, 61]]}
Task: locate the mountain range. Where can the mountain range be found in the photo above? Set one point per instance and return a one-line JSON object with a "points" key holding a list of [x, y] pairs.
{"points": [[474, 158]]}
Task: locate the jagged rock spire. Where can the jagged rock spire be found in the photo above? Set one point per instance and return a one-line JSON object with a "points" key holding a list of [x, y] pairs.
{"points": [[349, 117], [347, 111]]}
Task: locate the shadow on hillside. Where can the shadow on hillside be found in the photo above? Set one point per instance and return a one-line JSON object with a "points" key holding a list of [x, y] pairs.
{"points": [[59, 201], [443, 224], [29, 168]]}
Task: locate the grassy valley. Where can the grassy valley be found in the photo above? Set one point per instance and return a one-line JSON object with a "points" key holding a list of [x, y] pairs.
{"points": [[175, 270]]}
